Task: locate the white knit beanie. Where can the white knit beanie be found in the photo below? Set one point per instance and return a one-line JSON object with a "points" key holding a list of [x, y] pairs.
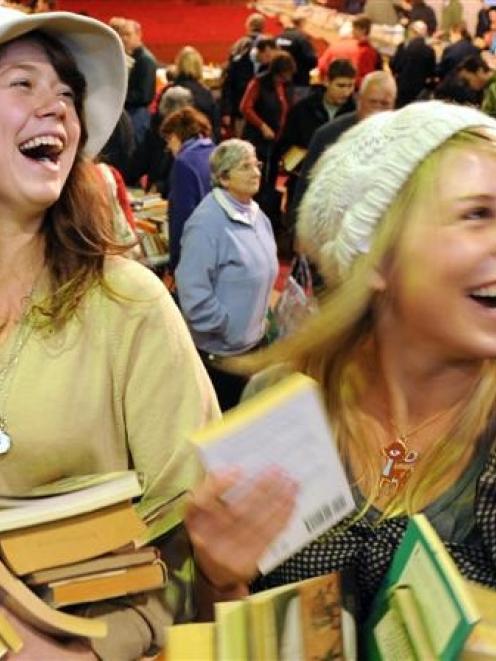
{"points": [[356, 180]]}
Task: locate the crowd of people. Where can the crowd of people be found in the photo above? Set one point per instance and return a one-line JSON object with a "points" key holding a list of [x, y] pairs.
{"points": [[394, 203]]}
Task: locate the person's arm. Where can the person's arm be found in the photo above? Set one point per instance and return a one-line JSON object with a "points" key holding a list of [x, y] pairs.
{"points": [[195, 278], [308, 55], [163, 394], [184, 197]]}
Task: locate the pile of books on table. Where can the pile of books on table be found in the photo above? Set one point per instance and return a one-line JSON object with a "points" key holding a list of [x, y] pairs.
{"points": [[75, 541]]}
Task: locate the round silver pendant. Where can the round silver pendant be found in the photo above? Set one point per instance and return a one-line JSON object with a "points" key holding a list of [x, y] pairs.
{"points": [[5, 442]]}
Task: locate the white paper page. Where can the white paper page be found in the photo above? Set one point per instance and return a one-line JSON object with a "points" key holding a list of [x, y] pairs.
{"points": [[296, 437]]}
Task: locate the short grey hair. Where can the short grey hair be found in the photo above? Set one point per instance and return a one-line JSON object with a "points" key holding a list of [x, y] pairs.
{"points": [[380, 79], [227, 156], [174, 98]]}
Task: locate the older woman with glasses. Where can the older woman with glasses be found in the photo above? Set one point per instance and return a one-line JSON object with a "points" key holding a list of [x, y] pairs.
{"points": [[228, 266]]}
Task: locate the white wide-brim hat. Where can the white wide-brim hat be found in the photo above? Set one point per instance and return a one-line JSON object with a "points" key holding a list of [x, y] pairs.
{"points": [[99, 56]]}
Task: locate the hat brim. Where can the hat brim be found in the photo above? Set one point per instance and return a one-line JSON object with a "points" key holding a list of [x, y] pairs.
{"points": [[99, 56]]}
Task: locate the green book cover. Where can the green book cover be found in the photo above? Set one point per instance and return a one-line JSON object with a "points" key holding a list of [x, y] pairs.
{"points": [[232, 631], [422, 563]]}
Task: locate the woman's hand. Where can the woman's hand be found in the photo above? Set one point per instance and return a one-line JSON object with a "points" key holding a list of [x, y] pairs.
{"points": [[267, 132], [230, 536]]}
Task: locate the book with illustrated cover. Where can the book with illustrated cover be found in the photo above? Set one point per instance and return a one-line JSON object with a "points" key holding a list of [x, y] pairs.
{"points": [[425, 608], [309, 620], [284, 426]]}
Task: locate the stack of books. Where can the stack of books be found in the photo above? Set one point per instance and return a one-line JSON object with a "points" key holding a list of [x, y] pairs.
{"points": [[78, 540], [425, 609], [310, 619]]}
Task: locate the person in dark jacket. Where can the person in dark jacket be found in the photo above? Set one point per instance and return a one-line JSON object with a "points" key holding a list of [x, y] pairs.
{"points": [[152, 158], [265, 106], [239, 70], [294, 40], [377, 93], [326, 102], [460, 47], [142, 78], [120, 145], [187, 134], [420, 11], [413, 64]]}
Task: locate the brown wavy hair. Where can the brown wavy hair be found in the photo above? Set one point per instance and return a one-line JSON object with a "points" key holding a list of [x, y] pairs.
{"points": [[185, 124], [77, 228]]}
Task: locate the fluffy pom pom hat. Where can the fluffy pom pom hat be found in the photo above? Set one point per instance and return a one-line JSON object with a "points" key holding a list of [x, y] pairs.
{"points": [[355, 181], [99, 56]]}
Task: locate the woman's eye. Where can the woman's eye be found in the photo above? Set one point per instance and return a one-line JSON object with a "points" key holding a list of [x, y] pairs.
{"points": [[67, 93], [21, 82], [477, 213]]}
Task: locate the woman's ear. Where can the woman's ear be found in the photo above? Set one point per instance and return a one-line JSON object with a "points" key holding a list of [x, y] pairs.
{"points": [[224, 179]]}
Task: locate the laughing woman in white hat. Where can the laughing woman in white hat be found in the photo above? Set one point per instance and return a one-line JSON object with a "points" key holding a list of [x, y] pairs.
{"points": [[88, 340], [400, 217]]}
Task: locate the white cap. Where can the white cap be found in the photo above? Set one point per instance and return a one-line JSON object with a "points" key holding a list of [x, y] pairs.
{"points": [[356, 179]]}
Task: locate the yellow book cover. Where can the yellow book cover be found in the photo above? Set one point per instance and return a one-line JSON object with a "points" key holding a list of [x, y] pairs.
{"points": [[190, 642], [293, 157], [9, 635]]}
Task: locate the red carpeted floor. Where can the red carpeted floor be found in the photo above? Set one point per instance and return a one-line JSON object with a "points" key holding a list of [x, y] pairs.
{"points": [[168, 25]]}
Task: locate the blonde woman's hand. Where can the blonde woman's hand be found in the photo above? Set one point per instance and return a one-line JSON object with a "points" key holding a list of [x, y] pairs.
{"points": [[230, 536]]}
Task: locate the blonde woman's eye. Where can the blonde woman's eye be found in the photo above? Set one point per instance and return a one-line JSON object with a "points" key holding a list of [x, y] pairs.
{"points": [[478, 213]]}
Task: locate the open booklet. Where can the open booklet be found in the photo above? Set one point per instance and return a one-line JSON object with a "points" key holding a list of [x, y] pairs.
{"points": [[284, 426]]}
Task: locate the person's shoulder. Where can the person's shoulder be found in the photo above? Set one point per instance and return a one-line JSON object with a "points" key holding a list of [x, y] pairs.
{"points": [[336, 126], [130, 280], [206, 213]]}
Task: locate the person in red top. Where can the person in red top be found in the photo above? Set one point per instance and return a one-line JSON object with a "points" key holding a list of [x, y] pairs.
{"points": [[265, 106], [358, 49]]}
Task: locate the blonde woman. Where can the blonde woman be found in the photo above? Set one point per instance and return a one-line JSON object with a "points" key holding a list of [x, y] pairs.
{"points": [[189, 74], [401, 218]]}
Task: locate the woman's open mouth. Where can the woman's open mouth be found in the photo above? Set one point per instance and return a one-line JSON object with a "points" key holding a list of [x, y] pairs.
{"points": [[43, 148]]}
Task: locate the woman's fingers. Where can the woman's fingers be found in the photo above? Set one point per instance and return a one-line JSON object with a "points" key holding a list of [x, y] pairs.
{"points": [[232, 522]]}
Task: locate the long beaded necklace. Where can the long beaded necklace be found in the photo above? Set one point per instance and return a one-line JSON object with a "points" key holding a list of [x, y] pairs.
{"points": [[8, 370]]}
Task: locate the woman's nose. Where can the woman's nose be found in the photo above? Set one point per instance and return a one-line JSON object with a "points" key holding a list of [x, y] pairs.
{"points": [[51, 105]]}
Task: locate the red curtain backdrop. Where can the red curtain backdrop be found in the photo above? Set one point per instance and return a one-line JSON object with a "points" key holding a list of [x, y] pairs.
{"points": [[170, 24]]}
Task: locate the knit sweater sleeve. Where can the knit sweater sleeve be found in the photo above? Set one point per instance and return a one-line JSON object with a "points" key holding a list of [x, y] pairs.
{"points": [[165, 395]]}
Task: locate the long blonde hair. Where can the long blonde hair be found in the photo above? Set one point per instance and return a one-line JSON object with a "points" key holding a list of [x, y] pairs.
{"points": [[324, 348]]}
